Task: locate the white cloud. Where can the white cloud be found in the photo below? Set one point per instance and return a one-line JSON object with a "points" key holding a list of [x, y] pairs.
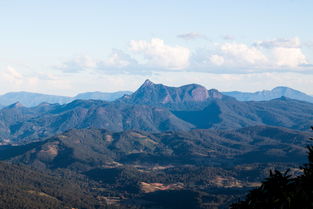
{"points": [[281, 43], [118, 58], [117, 62], [289, 57], [191, 36], [217, 59], [285, 53], [228, 37], [266, 56], [157, 54], [15, 80], [154, 56], [77, 64], [11, 74], [236, 53]]}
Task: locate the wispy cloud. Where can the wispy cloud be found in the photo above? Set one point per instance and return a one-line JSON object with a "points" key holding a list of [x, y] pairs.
{"points": [[191, 36], [280, 42], [228, 37], [117, 62], [77, 64], [12, 79]]}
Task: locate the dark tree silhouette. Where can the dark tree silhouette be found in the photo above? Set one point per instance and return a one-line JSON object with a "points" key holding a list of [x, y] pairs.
{"points": [[281, 191]]}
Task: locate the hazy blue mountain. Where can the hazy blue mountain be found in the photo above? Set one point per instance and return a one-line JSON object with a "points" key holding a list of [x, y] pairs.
{"points": [[30, 99], [153, 108], [38, 122], [266, 95], [102, 95], [21, 124]]}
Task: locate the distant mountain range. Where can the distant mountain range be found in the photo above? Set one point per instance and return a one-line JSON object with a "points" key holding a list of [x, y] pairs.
{"points": [[153, 108], [30, 99], [164, 95], [266, 95]]}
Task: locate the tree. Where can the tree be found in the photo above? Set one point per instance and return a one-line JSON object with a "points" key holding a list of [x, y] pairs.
{"points": [[281, 191]]}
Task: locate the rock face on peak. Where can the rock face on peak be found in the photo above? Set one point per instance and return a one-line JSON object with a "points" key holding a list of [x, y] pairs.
{"points": [[150, 93], [15, 105], [148, 83], [215, 94], [266, 95]]}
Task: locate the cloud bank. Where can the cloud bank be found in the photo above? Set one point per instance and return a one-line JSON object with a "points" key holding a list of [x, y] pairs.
{"points": [[153, 56]]}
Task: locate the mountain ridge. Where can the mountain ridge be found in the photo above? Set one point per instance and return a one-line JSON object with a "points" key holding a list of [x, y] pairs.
{"points": [[153, 108], [188, 93], [95, 147], [266, 95], [31, 99]]}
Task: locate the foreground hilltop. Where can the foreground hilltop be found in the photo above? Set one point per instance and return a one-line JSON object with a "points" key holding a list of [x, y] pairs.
{"points": [[136, 169]]}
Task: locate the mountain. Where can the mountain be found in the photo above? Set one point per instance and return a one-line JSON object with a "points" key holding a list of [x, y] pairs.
{"points": [[138, 168], [184, 97], [156, 94], [89, 148], [33, 99], [153, 108], [232, 114], [146, 151], [102, 95], [266, 95], [160, 147], [21, 123], [24, 187]]}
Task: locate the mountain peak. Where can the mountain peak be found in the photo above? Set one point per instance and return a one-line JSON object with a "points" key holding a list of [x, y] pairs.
{"points": [[16, 105], [150, 93], [281, 87], [148, 83], [214, 93]]}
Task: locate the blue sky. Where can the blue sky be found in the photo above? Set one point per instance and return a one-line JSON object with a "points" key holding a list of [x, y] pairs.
{"points": [[66, 47]]}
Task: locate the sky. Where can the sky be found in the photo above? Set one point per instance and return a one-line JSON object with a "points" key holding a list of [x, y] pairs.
{"points": [[67, 47]]}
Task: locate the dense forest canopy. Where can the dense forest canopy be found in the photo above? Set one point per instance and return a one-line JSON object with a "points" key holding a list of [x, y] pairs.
{"points": [[283, 191]]}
